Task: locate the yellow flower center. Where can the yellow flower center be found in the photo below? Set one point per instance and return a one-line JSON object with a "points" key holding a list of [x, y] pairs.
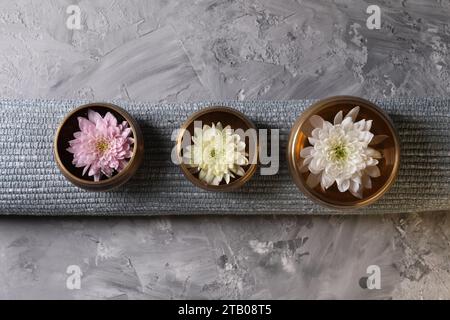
{"points": [[339, 152], [102, 145]]}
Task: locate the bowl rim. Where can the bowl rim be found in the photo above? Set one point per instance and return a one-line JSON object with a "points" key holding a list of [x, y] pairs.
{"points": [[294, 135], [119, 176], [237, 183]]}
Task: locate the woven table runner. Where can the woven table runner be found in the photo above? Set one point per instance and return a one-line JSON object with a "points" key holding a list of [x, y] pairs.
{"points": [[31, 184]]}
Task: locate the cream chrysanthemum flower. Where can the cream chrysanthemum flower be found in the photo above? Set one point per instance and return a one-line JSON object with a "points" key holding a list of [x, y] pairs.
{"points": [[340, 153], [217, 153]]}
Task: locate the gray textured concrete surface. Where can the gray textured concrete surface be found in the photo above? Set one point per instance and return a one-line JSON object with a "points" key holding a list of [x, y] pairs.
{"points": [[187, 51]]}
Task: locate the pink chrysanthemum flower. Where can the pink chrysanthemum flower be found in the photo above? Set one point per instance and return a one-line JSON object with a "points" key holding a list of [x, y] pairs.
{"points": [[102, 146]]}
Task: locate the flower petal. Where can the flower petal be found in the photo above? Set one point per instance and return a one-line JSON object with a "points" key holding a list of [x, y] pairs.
{"points": [[354, 186], [85, 170], [366, 181], [361, 124], [347, 123], [306, 152], [373, 153], [239, 171], [353, 113], [366, 136], [307, 160], [357, 179], [327, 125], [316, 121], [317, 164], [371, 162], [85, 125], [202, 175], [378, 139], [216, 181], [209, 177], [316, 132], [94, 116], [338, 117], [304, 164], [357, 193], [313, 180], [198, 132], [373, 171], [303, 168], [343, 185], [126, 132], [312, 140], [326, 181], [110, 119]]}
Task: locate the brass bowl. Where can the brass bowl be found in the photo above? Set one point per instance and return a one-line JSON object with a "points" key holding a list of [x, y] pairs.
{"points": [[227, 116], [64, 158], [389, 148]]}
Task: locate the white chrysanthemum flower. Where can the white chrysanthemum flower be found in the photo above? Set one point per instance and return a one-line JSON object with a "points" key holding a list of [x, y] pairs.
{"points": [[340, 153], [218, 154]]}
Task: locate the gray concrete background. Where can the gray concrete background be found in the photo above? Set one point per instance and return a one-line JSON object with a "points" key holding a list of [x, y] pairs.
{"points": [[175, 50]]}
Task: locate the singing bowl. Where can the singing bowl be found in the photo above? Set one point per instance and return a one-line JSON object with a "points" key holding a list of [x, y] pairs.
{"points": [[389, 148], [227, 116], [64, 158]]}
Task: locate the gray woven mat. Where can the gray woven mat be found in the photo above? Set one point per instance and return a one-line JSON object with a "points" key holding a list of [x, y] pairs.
{"points": [[31, 184]]}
